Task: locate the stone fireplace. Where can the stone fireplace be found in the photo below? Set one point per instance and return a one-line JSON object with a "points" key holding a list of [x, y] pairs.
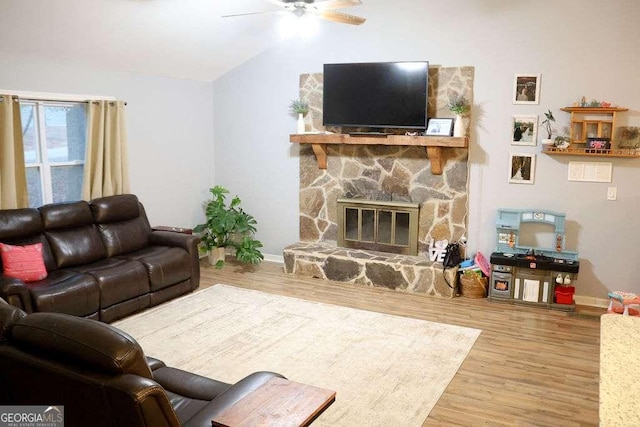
{"points": [[401, 172]]}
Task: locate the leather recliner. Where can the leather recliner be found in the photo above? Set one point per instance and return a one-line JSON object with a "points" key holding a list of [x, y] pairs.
{"points": [[101, 375], [102, 258]]}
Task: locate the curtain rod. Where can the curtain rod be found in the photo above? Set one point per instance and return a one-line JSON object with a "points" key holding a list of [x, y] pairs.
{"points": [[17, 98]]}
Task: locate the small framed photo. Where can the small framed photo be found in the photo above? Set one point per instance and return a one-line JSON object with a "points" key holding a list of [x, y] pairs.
{"points": [[526, 89], [522, 168], [524, 130], [441, 127]]}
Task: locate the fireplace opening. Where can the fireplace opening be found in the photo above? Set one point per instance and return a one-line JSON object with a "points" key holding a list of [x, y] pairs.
{"points": [[378, 225]]}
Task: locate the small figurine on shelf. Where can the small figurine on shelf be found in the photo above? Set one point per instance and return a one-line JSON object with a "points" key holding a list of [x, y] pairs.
{"points": [[561, 142]]}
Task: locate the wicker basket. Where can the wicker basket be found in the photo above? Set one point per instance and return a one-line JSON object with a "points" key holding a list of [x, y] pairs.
{"points": [[473, 287]]}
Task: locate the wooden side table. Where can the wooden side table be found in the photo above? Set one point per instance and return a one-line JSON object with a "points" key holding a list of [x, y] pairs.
{"points": [[278, 402]]}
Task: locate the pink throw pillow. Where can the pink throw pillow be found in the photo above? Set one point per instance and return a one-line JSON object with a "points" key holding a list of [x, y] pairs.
{"points": [[23, 262]]}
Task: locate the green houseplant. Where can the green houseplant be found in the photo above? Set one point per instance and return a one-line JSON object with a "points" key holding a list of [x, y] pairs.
{"points": [[459, 105], [299, 108], [228, 226]]}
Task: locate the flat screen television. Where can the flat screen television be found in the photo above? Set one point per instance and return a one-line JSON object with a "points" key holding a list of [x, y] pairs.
{"points": [[376, 95]]}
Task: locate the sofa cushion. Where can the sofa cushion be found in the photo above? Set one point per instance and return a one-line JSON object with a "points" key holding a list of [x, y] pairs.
{"points": [[58, 216], [118, 279], [19, 223], [117, 208], [83, 341], [66, 292], [123, 237], [73, 237], [165, 266], [24, 227], [122, 223], [76, 246], [23, 262]]}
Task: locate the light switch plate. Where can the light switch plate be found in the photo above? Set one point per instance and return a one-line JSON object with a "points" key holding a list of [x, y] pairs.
{"points": [[612, 193]]}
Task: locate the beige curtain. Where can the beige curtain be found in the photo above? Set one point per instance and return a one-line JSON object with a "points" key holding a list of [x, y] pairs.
{"points": [[13, 176], [106, 166]]}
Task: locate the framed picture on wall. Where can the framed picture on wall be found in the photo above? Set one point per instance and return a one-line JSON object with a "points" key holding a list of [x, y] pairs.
{"points": [[524, 130], [440, 127], [526, 89], [522, 168]]}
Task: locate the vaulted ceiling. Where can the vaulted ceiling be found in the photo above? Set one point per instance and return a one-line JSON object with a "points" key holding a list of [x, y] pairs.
{"points": [[175, 38]]}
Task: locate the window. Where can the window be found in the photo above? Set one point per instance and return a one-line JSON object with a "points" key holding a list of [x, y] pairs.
{"points": [[54, 135]]}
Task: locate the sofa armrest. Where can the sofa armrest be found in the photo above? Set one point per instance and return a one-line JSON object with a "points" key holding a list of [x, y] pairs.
{"points": [[155, 363], [187, 242], [188, 384], [230, 397], [132, 395], [15, 292]]}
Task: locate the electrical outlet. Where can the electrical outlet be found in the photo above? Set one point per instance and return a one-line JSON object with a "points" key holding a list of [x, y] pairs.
{"points": [[612, 193]]}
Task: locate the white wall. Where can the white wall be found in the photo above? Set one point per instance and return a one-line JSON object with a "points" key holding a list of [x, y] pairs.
{"points": [[580, 47], [169, 124]]}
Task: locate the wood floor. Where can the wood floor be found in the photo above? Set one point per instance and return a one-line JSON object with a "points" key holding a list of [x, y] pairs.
{"points": [[530, 366]]}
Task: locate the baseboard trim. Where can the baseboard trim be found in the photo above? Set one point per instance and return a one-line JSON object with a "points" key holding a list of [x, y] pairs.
{"points": [[591, 301], [274, 258]]}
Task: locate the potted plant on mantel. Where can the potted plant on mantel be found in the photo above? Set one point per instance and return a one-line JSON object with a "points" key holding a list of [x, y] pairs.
{"points": [[459, 105], [299, 108], [228, 226]]}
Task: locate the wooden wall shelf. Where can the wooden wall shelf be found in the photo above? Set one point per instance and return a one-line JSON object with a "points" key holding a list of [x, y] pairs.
{"points": [[629, 153], [433, 144]]}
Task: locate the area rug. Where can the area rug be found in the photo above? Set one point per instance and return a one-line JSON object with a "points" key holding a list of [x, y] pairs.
{"points": [[386, 370]]}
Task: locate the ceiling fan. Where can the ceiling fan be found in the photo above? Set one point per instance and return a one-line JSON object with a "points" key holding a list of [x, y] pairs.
{"points": [[325, 9]]}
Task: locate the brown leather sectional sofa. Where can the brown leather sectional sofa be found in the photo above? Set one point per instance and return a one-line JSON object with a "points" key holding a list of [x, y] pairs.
{"points": [[103, 260], [101, 375]]}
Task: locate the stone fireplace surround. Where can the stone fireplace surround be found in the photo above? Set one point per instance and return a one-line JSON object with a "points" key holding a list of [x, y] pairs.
{"points": [[401, 172]]}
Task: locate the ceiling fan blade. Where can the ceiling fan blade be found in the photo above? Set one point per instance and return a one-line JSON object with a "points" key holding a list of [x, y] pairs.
{"points": [[342, 18], [253, 13], [335, 4]]}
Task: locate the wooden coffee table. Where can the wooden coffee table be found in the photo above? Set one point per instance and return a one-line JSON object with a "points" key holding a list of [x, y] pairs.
{"points": [[278, 402]]}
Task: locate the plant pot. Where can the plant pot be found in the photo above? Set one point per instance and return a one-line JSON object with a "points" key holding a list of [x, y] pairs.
{"points": [[458, 126], [547, 142], [216, 255], [301, 128]]}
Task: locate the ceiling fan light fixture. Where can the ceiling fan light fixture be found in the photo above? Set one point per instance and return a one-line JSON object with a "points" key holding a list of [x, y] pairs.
{"points": [[303, 25]]}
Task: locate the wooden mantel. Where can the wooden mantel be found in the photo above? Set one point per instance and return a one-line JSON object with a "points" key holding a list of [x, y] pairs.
{"points": [[433, 144]]}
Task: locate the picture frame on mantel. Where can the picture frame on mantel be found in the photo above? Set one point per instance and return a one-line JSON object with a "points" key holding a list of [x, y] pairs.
{"points": [[526, 89], [522, 168], [439, 127], [524, 130]]}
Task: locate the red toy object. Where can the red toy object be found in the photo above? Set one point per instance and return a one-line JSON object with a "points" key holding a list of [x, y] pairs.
{"points": [[564, 294], [620, 302]]}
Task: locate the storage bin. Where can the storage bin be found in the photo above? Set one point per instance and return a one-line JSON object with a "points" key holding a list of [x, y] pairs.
{"points": [[473, 287], [564, 294]]}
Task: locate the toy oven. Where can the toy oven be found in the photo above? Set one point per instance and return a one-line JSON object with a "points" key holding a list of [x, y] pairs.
{"points": [[501, 282]]}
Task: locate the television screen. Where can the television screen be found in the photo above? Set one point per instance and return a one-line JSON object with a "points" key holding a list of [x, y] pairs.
{"points": [[378, 95]]}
